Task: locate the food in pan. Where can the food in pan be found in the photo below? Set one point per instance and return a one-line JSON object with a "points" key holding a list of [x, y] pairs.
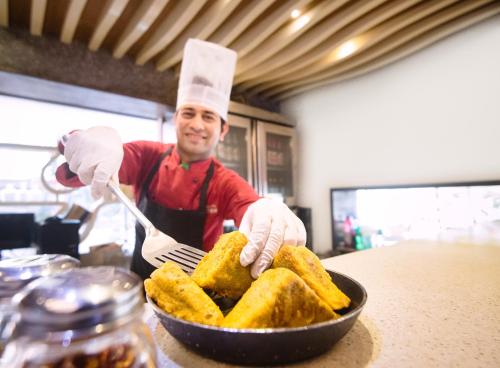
{"points": [[118, 356], [220, 270], [296, 291], [278, 298], [176, 293], [308, 266]]}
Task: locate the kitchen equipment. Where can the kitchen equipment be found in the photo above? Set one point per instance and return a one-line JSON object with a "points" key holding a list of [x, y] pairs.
{"points": [[159, 247], [17, 230], [58, 235], [264, 154], [83, 317], [236, 150], [277, 166], [271, 345], [15, 273]]}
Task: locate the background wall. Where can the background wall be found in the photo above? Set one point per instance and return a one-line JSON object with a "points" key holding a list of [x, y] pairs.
{"points": [[432, 117]]}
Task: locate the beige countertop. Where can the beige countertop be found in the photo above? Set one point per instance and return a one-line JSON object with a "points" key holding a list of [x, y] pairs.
{"points": [[429, 305]]}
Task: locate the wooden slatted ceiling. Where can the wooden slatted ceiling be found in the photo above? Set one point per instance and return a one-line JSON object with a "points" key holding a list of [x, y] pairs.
{"points": [[140, 22], [37, 17], [279, 55], [416, 41], [201, 27], [71, 19], [108, 16], [325, 59], [171, 27], [4, 13]]}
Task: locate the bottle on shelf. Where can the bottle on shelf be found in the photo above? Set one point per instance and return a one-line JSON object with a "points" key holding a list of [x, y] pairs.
{"points": [[348, 232], [358, 239]]}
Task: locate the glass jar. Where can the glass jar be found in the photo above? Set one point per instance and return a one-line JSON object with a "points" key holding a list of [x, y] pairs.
{"points": [[17, 272], [87, 317]]}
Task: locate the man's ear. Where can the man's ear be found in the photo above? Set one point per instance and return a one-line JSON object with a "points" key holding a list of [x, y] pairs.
{"points": [[224, 131]]}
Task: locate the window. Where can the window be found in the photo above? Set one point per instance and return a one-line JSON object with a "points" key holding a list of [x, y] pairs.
{"points": [[377, 216], [28, 142]]}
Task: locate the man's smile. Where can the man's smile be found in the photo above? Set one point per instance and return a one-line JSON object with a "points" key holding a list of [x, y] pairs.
{"points": [[194, 137]]}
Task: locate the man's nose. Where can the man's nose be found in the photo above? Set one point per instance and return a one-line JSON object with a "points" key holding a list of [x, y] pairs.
{"points": [[197, 122]]}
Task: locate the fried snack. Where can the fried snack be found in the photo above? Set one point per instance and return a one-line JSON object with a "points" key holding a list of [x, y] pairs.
{"points": [[278, 298], [220, 270], [308, 266], [176, 293]]}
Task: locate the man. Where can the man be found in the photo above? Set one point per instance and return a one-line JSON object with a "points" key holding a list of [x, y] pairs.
{"points": [[181, 188]]}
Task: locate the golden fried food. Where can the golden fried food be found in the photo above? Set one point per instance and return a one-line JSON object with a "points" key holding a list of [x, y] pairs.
{"points": [[176, 293], [278, 298], [220, 270], [308, 266]]}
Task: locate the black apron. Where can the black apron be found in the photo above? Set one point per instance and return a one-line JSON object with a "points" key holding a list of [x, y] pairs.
{"points": [[185, 226]]}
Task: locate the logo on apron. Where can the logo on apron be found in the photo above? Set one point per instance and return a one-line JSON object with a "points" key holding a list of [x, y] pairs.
{"points": [[211, 209]]}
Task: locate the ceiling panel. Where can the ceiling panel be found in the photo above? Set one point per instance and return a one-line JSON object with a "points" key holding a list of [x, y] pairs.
{"points": [[285, 47]]}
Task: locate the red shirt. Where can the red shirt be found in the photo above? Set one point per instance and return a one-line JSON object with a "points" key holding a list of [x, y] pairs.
{"points": [[173, 186]]}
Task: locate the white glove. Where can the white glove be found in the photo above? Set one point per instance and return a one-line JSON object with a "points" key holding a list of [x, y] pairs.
{"points": [[95, 155], [268, 224]]}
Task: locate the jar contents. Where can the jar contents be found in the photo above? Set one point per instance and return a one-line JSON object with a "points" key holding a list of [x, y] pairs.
{"points": [[120, 356]]}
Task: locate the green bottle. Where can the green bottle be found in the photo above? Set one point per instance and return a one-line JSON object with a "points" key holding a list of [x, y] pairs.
{"points": [[358, 239]]}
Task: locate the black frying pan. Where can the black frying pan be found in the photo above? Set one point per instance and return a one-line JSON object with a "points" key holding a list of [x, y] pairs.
{"points": [[272, 345]]}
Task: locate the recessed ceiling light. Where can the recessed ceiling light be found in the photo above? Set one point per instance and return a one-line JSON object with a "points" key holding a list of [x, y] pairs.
{"points": [[295, 13], [346, 49], [301, 22]]}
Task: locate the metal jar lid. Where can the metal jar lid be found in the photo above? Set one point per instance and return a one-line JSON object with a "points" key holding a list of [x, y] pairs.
{"points": [[79, 303], [15, 273]]}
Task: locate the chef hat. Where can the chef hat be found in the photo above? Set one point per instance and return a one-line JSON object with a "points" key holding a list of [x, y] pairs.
{"points": [[206, 77]]}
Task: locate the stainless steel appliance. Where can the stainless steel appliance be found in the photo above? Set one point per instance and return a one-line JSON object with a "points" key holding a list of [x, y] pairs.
{"points": [[236, 151], [276, 161], [264, 154]]}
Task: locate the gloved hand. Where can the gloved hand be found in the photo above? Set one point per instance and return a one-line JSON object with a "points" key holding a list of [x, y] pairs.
{"points": [[95, 155], [268, 224]]}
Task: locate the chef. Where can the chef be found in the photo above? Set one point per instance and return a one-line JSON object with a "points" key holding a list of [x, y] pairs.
{"points": [[182, 189]]}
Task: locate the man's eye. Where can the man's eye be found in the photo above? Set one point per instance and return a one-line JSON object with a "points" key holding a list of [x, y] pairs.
{"points": [[187, 114], [209, 118]]}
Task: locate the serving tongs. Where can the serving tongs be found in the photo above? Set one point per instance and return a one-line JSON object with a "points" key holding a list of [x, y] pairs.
{"points": [[158, 247]]}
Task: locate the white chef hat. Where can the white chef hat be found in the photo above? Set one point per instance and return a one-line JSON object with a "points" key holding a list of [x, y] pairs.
{"points": [[206, 77]]}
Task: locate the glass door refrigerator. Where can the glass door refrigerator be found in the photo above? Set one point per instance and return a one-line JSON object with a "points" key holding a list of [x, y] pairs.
{"points": [[264, 154], [276, 161], [235, 152]]}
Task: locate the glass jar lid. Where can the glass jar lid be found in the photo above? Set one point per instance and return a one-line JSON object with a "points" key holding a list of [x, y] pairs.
{"points": [[15, 273], [80, 302]]}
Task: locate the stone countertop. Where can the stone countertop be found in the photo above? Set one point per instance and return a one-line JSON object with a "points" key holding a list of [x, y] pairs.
{"points": [[429, 305]]}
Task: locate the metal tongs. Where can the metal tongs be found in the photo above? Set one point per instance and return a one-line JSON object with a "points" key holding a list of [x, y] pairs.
{"points": [[157, 247]]}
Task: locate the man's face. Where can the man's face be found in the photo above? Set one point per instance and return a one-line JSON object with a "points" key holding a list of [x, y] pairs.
{"points": [[198, 132]]}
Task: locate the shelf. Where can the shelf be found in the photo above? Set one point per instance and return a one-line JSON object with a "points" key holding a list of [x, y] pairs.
{"points": [[277, 168], [230, 164]]}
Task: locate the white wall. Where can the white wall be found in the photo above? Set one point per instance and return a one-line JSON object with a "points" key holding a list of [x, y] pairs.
{"points": [[432, 117]]}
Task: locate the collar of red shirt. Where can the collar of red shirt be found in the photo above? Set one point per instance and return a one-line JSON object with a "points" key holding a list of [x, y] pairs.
{"points": [[195, 166]]}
